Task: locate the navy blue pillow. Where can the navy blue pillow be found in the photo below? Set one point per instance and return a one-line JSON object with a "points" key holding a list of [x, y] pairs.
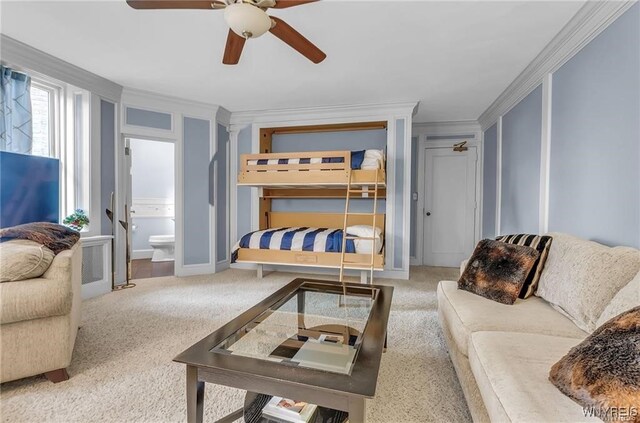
{"points": [[357, 157]]}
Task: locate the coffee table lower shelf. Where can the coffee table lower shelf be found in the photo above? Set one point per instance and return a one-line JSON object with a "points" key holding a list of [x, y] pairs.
{"points": [[254, 403]]}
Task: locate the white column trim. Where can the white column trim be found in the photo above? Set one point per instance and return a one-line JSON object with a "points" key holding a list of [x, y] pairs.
{"points": [[499, 176], [545, 153]]}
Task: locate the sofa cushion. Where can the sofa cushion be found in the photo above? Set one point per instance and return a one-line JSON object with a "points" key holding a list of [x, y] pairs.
{"points": [[542, 245], [498, 270], [627, 298], [582, 277], [23, 259], [603, 371], [511, 370], [466, 313], [34, 299]]}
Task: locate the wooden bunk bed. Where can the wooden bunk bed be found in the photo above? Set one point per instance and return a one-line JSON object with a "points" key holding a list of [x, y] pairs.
{"points": [[314, 175]]}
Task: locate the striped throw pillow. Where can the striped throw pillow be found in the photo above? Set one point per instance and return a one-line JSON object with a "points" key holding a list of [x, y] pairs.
{"points": [[542, 245]]}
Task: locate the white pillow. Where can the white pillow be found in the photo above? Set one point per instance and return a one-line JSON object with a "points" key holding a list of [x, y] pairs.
{"points": [[370, 163], [626, 299], [363, 246], [581, 277], [373, 159], [22, 259]]}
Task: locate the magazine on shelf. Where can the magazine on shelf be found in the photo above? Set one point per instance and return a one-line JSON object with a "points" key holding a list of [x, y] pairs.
{"points": [[329, 356], [289, 410]]}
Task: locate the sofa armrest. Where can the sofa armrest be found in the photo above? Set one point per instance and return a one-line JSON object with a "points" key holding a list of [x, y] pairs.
{"points": [[56, 293], [62, 265]]}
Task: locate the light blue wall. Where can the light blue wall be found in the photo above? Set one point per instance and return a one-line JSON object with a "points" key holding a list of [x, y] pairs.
{"points": [[222, 183], [328, 141], [489, 175], [520, 195], [148, 118], [152, 176], [243, 214], [107, 161], [196, 188], [595, 138]]}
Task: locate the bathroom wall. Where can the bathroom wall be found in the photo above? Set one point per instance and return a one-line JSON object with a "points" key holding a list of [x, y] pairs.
{"points": [[152, 186]]}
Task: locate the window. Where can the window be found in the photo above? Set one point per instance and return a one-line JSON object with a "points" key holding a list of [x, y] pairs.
{"points": [[42, 105], [60, 123]]}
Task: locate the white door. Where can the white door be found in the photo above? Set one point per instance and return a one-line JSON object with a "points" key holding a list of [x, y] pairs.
{"points": [[449, 207]]}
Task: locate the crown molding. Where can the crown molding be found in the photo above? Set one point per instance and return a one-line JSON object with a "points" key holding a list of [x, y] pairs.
{"points": [[224, 116], [462, 127], [335, 113], [21, 56], [135, 97], [585, 25]]}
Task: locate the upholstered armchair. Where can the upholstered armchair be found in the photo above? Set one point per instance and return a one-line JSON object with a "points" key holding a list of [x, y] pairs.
{"points": [[39, 320]]}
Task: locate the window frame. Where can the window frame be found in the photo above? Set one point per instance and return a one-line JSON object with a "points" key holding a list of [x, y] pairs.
{"points": [[63, 136], [54, 103]]}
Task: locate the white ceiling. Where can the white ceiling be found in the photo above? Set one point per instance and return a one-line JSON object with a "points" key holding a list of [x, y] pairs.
{"points": [[453, 57]]}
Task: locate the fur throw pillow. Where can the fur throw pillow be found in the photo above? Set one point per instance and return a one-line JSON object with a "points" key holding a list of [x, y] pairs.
{"points": [[53, 236], [498, 270], [602, 373]]}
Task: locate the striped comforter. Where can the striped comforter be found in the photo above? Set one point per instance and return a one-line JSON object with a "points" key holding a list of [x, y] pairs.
{"points": [[312, 160], [295, 239], [364, 159]]}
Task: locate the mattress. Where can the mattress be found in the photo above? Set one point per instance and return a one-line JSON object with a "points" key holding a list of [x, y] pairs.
{"points": [[325, 240], [364, 159]]}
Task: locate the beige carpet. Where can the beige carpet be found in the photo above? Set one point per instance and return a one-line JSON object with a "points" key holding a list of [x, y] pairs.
{"points": [[122, 369]]}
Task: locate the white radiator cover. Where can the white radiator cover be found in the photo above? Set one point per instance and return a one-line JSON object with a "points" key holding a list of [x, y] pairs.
{"points": [[96, 266]]}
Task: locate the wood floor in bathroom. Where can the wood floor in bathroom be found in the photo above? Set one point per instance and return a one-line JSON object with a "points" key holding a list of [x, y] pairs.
{"points": [[145, 268]]}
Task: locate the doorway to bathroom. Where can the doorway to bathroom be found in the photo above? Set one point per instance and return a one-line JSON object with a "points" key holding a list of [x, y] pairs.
{"points": [[151, 194]]}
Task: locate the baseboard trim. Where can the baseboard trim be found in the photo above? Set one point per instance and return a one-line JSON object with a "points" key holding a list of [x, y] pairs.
{"points": [[388, 274], [222, 265], [141, 254]]}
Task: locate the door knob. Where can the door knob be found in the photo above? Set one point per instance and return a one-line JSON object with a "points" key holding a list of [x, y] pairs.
{"points": [[428, 213]]}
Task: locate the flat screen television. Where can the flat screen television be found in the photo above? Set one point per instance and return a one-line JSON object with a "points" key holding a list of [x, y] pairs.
{"points": [[29, 189]]}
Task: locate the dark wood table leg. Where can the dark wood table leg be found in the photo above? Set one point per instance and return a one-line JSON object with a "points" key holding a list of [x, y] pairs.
{"points": [[301, 307], [357, 412], [195, 396]]}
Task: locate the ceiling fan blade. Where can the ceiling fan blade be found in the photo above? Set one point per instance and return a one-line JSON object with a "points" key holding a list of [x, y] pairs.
{"points": [[233, 49], [283, 4], [296, 40], [176, 4]]}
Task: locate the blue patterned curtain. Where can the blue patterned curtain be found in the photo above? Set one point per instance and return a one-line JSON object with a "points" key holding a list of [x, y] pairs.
{"points": [[15, 112]]}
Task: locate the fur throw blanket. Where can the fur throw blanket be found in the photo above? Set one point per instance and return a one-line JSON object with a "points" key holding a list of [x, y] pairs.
{"points": [[53, 236]]}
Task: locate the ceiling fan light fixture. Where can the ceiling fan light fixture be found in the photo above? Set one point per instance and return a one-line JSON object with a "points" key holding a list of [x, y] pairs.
{"points": [[246, 20]]}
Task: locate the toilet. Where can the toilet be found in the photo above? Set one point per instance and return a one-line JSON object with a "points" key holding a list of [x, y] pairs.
{"points": [[163, 247]]}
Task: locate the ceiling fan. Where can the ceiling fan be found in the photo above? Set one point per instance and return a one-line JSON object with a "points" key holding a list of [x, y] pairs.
{"points": [[246, 19]]}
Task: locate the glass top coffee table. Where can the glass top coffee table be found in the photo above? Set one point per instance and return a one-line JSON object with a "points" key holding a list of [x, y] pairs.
{"points": [[315, 341]]}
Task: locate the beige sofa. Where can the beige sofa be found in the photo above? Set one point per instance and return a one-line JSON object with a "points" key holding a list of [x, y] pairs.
{"points": [[39, 320], [502, 354]]}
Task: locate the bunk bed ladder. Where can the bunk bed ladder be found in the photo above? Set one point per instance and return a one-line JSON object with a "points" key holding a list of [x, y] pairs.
{"points": [[351, 189]]}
